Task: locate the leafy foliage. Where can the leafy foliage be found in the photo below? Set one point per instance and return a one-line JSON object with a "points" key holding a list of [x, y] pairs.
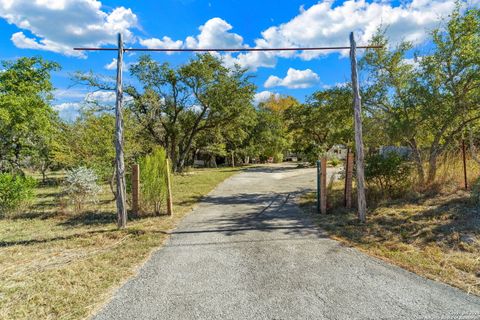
{"points": [[175, 106], [390, 172], [325, 120], [429, 104], [27, 121], [15, 190]]}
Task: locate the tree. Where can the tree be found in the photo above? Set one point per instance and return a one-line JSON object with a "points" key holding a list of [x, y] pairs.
{"points": [[271, 136], [176, 105], [26, 118], [428, 106], [323, 121], [89, 142]]}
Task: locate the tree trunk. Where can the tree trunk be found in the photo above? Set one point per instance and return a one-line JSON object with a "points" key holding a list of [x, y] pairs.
{"points": [[43, 169], [432, 168], [213, 160], [173, 152], [112, 183], [417, 158], [357, 105], [119, 156], [233, 159]]}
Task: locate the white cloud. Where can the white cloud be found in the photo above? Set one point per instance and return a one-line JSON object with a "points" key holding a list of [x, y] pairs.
{"points": [[414, 62], [60, 25], [295, 79], [252, 60], [105, 97], [102, 97], [164, 43], [328, 23], [112, 65], [215, 33], [336, 85], [69, 94], [263, 96], [68, 111]]}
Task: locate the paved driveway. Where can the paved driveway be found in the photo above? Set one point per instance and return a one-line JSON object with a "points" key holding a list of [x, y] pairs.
{"points": [[247, 252]]}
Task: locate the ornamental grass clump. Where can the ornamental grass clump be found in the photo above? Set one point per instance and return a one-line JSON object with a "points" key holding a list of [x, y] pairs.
{"points": [[153, 186]]}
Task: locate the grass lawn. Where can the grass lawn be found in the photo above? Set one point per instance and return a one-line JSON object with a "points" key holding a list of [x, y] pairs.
{"points": [[55, 264], [437, 237]]}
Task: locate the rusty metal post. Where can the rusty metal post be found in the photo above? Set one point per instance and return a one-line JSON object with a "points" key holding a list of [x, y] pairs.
{"points": [[135, 189], [169, 190], [464, 165], [348, 180]]}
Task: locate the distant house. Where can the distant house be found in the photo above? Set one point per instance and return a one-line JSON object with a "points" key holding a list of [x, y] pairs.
{"points": [[338, 151]]}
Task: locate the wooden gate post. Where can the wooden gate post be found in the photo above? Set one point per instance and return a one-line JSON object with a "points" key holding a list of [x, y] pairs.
{"points": [[357, 105], [169, 190], [135, 189], [348, 180]]}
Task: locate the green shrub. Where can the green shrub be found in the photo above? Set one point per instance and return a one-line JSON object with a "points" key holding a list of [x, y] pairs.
{"points": [[278, 158], [82, 186], [153, 184], [475, 194], [15, 191], [334, 161], [390, 173]]}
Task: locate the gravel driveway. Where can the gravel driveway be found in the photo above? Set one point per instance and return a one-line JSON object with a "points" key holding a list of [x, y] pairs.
{"points": [[247, 252]]}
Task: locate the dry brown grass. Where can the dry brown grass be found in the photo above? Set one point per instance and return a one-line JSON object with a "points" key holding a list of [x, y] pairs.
{"points": [[55, 264], [435, 235]]}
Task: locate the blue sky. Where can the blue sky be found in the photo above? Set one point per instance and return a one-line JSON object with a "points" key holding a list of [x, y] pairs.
{"points": [[50, 28]]}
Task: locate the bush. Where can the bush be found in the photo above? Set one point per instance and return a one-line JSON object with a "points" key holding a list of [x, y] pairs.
{"points": [[82, 186], [278, 158], [475, 194], [15, 191], [153, 184], [335, 162], [390, 173]]}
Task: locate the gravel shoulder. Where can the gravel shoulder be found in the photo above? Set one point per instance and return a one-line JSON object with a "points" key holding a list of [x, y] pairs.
{"points": [[248, 252]]}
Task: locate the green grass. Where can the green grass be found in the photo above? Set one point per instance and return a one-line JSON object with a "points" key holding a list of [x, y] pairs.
{"points": [[423, 235], [56, 264]]}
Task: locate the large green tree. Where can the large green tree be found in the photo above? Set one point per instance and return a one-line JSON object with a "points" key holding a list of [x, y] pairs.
{"points": [[271, 136], [27, 120], [324, 120], [428, 105], [176, 105]]}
